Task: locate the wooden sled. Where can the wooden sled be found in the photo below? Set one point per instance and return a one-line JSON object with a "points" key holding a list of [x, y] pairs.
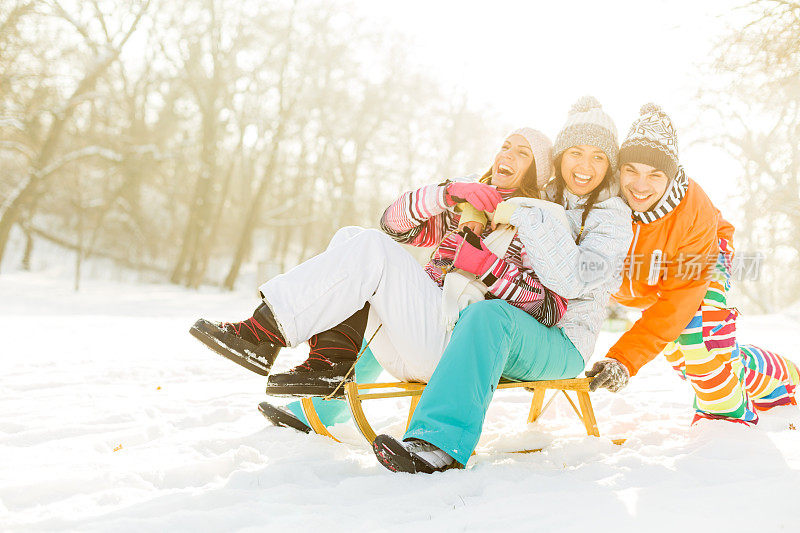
{"points": [[356, 393]]}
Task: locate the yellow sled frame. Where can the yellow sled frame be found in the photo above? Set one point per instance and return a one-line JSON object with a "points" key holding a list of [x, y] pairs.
{"points": [[356, 393]]}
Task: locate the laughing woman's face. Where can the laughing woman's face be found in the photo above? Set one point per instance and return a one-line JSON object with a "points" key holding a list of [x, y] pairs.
{"points": [[512, 162], [583, 168]]}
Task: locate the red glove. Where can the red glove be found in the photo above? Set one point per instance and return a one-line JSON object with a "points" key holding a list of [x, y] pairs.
{"points": [[481, 196], [471, 258]]}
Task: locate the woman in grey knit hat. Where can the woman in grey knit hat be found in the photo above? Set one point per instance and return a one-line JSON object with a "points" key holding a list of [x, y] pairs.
{"points": [[581, 262]]}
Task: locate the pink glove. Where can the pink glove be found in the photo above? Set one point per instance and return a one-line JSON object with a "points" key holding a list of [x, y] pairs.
{"points": [[481, 196], [475, 260]]}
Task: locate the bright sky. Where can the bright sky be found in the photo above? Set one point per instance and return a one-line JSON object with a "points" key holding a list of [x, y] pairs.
{"points": [[529, 61]]}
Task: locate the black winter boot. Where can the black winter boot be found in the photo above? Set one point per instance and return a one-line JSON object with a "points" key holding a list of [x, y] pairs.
{"points": [[331, 356], [282, 417], [253, 343], [413, 456]]}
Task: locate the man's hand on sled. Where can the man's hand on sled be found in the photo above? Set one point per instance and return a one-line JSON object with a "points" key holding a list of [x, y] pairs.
{"points": [[608, 373], [481, 196], [472, 255]]}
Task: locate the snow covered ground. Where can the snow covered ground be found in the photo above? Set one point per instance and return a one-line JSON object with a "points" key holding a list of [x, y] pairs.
{"points": [[113, 418]]}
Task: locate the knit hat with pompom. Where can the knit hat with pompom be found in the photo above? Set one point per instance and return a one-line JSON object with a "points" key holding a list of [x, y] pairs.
{"points": [[652, 141], [542, 150], [588, 124]]}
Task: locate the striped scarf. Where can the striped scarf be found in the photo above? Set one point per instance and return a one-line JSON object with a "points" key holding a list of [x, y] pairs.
{"points": [[668, 202]]}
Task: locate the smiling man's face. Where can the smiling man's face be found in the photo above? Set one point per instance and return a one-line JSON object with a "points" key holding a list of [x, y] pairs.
{"points": [[642, 186]]}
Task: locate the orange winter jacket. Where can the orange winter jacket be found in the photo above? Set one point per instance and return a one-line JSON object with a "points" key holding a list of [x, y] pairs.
{"points": [[687, 237]]}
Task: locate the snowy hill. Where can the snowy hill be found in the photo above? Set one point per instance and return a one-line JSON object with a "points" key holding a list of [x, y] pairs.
{"points": [[112, 418]]}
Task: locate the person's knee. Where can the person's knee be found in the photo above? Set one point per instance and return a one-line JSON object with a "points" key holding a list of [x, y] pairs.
{"points": [[495, 317], [486, 310], [344, 234], [487, 324], [369, 245], [373, 234], [376, 242]]}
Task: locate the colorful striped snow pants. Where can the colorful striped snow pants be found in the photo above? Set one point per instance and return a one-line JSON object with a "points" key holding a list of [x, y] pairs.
{"points": [[731, 381]]}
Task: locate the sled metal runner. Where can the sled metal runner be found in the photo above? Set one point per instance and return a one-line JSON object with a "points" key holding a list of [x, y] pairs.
{"points": [[357, 393]]}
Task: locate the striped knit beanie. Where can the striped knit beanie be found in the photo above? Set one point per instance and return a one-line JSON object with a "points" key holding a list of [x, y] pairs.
{"points": [[588, 124], [542, 150], [652, 141]]}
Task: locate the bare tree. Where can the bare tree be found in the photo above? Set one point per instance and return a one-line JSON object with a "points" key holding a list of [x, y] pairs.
{"points": [[192, 138], [755, 100], [287, 99], [45, 158]]}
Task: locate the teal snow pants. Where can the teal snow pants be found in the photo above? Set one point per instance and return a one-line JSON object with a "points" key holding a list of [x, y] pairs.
{"points": [[491, 339], [336, 411]]}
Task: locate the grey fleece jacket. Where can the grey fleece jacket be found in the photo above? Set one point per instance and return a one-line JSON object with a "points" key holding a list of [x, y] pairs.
{"points": [[586, 274]]}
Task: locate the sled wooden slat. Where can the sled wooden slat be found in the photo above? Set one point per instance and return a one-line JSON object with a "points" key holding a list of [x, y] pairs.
{"points": [[585, 413], [351, 391], [574, 408], [536, 405], [588, 414], [576, 384], [401, 394], [414, 402], [313, 418], [356, 393], [396, 385]]}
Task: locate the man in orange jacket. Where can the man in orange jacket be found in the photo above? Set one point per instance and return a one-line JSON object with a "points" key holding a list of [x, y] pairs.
{"points": [[678, 272]]}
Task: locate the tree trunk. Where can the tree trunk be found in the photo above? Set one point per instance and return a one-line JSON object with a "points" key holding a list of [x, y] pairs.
{"points": [[10, 211], [253, 209], [38, 174], [26, 257], [189, 267], [246, 235]]}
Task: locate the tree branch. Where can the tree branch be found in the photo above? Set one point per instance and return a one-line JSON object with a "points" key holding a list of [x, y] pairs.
{"points": [[18, 147], [76, 155]]}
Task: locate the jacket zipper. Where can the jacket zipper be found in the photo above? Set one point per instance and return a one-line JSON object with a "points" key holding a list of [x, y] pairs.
{"points": [[630, 262]]}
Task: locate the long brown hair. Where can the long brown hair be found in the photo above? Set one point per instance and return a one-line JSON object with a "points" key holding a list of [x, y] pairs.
{"points": [[560, 185], [528, 187]]}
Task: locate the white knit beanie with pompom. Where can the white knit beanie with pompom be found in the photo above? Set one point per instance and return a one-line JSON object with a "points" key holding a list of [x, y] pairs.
{"points": [[588, 124]]}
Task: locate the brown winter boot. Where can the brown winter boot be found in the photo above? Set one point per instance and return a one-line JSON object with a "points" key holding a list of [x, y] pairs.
{"points": [[253, 343], [331, 356]]}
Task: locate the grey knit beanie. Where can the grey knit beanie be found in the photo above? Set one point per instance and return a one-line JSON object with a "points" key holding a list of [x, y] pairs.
{"points": [[588, 124], [652, 140], [542, 150]]}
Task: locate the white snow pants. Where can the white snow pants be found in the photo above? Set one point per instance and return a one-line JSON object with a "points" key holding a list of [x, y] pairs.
{"points": [[365, 265]]}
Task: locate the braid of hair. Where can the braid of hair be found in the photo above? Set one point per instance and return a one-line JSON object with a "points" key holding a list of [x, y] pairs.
{"points": [[593, 196], [586, 208], [559, 199], [559, 181]]}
